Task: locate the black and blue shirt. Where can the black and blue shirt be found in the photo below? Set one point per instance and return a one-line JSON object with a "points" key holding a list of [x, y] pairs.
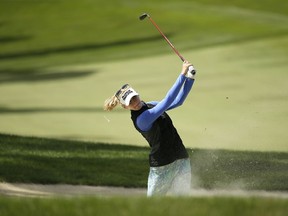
{"points": [[157, 128]]}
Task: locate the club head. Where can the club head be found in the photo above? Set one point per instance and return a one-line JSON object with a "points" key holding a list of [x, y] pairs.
{"points": [[143, 16]]}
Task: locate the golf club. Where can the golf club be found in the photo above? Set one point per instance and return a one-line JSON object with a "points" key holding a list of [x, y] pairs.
{"points": [[143, 16]]}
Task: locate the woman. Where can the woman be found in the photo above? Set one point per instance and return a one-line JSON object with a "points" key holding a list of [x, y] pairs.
{"points": [[170, 171]]}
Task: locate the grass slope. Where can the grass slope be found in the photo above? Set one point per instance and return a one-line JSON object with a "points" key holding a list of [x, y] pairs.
{"points": [[44, 33], [53, 82], [59, 60], [142, 206], [50, 161], [239, 100]]}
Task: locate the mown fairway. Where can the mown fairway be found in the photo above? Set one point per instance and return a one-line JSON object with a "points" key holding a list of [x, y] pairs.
{"points": [[50, 161], [47, 161], [142, 206], [60, 60]]}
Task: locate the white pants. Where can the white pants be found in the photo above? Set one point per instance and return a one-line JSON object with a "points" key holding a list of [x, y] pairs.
{"points": [[171, 179]]}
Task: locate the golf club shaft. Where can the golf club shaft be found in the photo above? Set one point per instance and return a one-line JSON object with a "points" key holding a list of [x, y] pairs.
{"points": [[167, 40], [190, 68]]}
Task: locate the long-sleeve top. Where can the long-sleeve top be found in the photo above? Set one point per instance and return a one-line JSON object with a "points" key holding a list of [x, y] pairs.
{"points": [[174, 98], [157, 128]]}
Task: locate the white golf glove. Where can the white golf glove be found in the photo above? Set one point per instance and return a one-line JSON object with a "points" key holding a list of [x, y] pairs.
{"points": [[191, 72]]}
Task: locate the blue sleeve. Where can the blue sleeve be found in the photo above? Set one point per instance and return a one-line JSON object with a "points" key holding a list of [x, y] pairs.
{"points": [[146, 119], [182, 94]]}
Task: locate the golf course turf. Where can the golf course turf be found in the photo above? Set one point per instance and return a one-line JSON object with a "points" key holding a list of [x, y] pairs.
{"points": [[59, 61]]}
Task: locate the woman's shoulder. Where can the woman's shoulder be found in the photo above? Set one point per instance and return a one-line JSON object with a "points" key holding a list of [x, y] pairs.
{"points": [[152, 103]]}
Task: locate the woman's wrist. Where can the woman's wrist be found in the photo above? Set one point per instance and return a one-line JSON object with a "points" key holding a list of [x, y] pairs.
{"points": [[191, 73]]}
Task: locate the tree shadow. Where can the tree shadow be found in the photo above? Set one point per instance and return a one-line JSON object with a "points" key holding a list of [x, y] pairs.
{"points": [[77, 48], [35, 75], [238, 40], [52, 161], [72, 162], [29, 110], [11, 39]]}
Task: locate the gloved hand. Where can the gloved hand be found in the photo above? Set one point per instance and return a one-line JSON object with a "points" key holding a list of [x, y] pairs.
{"points": [[191, 72]]}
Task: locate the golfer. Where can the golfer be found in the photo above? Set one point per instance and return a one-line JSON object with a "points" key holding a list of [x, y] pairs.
{"points": [[170, 170]]}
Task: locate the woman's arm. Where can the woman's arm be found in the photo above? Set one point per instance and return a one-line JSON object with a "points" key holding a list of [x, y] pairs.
{"points": [[146, 119], [182, 94], [187, 86]]}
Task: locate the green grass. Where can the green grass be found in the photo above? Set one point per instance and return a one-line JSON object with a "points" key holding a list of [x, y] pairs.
{"points": [[48, 33], [238, 102], [50, 161], [142, 206], [59, 60]]}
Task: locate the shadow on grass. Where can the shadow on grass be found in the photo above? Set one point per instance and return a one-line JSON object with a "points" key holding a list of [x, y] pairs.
{"points": [[29, 110], [6, 110], [76, 48], [52, 161], [35, 75], [11, 39], [240, 40], [97, 46]]}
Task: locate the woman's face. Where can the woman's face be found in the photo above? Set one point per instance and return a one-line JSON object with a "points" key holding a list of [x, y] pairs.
{"points": [[135, 103]]}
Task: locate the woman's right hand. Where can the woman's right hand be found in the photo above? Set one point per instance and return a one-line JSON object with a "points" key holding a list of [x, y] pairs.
{"points": [[185, 67]]}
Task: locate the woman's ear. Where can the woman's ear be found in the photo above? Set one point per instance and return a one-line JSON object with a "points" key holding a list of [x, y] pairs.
{"points": [[124, 106]]}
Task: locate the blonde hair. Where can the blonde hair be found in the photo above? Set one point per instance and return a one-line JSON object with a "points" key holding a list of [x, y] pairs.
{"points": [[111, 103]]}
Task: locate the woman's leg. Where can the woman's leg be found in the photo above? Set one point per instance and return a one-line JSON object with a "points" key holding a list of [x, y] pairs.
{"points": [[160, 180], [181, 184]]}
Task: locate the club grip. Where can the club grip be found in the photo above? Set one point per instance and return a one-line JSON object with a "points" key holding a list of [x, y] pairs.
{"points": [[192, 70]]}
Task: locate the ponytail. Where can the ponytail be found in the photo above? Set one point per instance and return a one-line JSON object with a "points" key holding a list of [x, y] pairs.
{"points": [[111, 103]]}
